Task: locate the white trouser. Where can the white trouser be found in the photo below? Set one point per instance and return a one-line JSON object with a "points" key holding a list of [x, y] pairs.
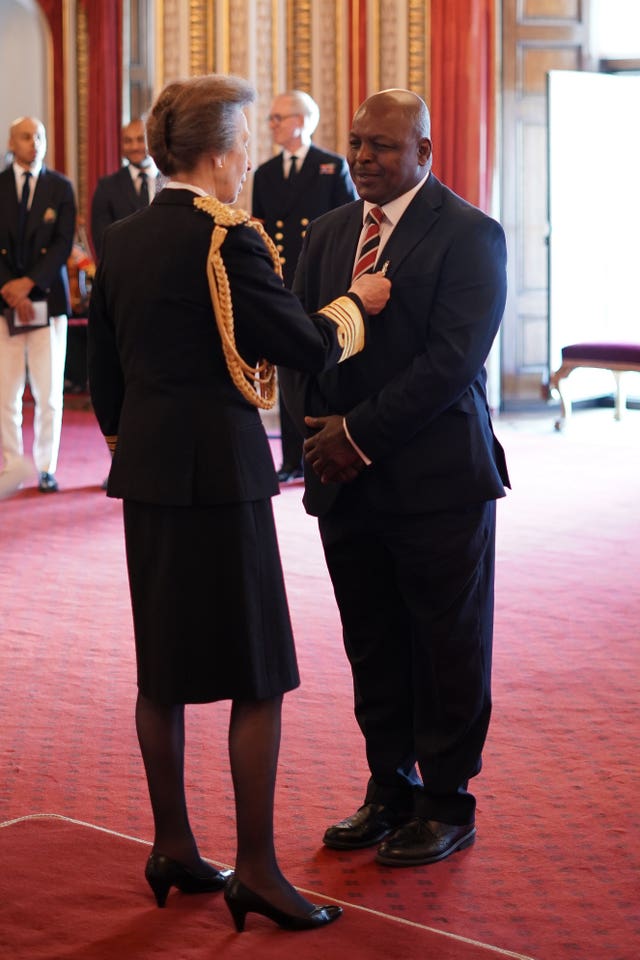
{"points": [[42, 352]]}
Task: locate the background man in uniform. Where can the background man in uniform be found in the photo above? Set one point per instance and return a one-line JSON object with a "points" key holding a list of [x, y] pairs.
{"points": [[404, 474], [287, 194], [130, 188], [37, 224]]}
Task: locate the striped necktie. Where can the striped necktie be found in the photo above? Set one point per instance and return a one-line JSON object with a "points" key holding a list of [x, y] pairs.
{"points": [[369, 250]]}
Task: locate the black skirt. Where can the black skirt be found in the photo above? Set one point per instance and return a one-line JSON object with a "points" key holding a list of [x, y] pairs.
{"points": [[209, 606]]}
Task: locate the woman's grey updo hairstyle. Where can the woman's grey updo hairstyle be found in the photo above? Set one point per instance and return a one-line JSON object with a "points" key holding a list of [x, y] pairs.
{"points": [[195, 116]]}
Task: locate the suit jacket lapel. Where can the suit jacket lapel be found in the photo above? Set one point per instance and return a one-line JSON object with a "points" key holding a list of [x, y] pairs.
{"points": [[421, 214]]}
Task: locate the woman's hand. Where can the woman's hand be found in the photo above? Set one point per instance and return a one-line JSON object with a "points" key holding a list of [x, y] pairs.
{"points": [[373, 290]]}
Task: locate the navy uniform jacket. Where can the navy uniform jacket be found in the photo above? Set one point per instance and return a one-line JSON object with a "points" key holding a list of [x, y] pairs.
{"points": [[157, 373], [414, 399], [286, 209], [50, 230], [115, 197]]}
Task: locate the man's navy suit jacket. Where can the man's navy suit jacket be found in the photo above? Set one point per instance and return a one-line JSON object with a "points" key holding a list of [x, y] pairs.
{"points": [[414, 399], [114, 199], [50, 230]]}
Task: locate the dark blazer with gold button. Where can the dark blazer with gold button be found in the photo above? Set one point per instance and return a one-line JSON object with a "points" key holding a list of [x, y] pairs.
{"points": [[50, 230], [286, 209]]}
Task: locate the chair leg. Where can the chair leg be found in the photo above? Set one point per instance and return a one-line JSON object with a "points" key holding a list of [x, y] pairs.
{"points": [[565, 403], [621, 394]]}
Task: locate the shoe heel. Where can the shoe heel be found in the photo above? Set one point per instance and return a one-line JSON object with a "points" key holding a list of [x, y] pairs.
{"points": [[238, 912], [160, 889]]}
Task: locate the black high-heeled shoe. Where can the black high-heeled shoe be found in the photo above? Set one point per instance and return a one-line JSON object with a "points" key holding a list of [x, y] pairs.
{"points": [[242, 901], [162, 873]]}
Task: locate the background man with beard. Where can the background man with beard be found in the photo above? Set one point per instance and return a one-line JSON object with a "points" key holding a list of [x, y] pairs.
{"points": [[130, 188]]}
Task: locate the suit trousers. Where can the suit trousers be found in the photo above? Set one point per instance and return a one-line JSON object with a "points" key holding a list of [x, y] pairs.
{"points": [[290, 437], [415, 594], [41, 354]]}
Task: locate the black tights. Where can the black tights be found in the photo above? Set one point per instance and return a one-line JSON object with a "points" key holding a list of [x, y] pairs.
{"points": [[254, 743]]}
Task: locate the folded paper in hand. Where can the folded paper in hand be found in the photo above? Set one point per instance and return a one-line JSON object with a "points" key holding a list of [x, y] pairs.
{"points": [[40, 318]]}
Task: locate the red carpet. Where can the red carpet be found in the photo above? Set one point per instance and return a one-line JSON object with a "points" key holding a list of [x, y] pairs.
{"points": [[84, 899], [554, 872]]}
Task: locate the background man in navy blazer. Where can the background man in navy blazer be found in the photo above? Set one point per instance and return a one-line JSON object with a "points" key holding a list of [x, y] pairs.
{"points": [[286, 200], [37, 225], [127, 190], [403, 470]]}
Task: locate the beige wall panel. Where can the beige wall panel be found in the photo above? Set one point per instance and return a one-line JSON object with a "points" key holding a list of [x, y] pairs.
{"points": [[342, 110], [299, 45], [533, 348], [172, 59], [326, 72], [550, 9], [373, 27], [533, 217], [241, 30], [82, 66], [535, 62], [265, 56], [394, 44], [419, 51], [199, 52], [71, 91]]}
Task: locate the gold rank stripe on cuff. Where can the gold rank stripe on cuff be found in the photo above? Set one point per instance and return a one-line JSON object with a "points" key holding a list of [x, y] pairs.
{"points": [[111, 442], [346, 315]]}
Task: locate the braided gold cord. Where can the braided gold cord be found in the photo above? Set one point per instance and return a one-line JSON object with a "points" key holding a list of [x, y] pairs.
{"points": [[256, 383]]}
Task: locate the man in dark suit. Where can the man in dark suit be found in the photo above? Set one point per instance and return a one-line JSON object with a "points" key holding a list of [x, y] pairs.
{"points": [[37, 224], [287, 194], [129, 189], [403, 470]]}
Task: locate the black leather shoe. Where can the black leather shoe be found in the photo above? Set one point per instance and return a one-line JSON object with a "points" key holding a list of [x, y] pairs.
{"points": [[424, 841], [47, 483], [287, 473], [242, 901], [162, 873], [368, 826]]}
